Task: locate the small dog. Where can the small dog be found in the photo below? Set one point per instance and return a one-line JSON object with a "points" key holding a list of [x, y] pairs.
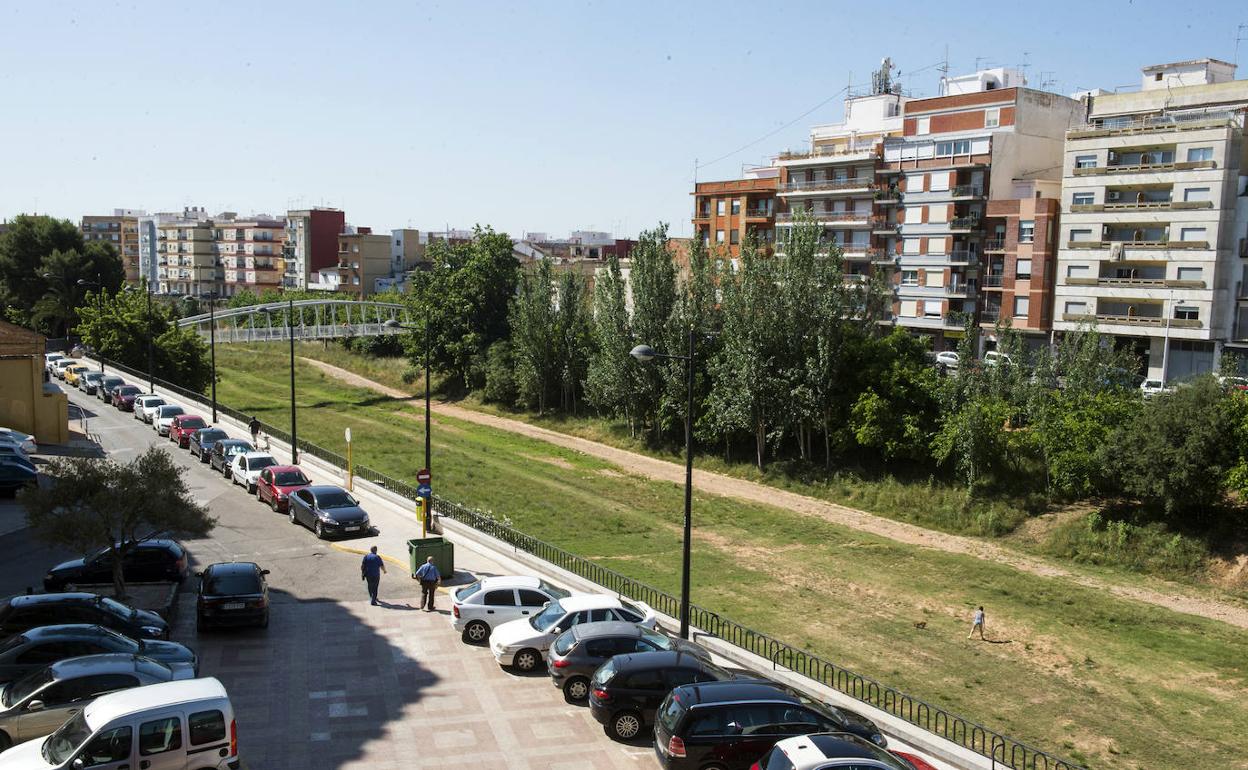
{"points": [[922, 624]]}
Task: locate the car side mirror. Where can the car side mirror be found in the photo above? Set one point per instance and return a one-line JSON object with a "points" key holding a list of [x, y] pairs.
{"points": [[199, 574], [78, 764], [557, 630], [35, 705], [734, 728], [264, 572]]}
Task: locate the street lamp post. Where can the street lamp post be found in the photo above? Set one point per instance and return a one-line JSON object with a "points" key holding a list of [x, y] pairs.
{"points": [[84, 282], [393, 324], [646, 353], [294, 430]]}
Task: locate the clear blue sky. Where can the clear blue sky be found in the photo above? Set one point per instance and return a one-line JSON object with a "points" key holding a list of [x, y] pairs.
{"points": [[545, 116]]}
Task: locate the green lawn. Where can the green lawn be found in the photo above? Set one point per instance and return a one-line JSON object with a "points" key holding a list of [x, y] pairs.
{"points": [[1104, 681]]}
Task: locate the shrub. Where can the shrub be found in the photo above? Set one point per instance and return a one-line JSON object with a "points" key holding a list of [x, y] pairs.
{"points": [[500, 378], [1151, 547]]}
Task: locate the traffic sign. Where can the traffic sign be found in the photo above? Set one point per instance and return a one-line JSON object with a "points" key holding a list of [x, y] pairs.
{"points": [[424, 477], [347, 435], [424, 490]]}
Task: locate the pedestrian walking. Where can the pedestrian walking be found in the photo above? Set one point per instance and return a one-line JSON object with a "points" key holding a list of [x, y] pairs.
{"points": [[254, 427], [370, 572], [977, 624], [429, 578]]}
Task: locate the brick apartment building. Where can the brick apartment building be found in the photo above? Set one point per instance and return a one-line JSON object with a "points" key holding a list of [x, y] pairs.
{"points": [[725, 212]]}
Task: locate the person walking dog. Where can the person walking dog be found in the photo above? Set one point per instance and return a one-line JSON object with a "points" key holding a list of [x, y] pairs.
{"points": [[977, 624], [370, 572], [429, 578]]}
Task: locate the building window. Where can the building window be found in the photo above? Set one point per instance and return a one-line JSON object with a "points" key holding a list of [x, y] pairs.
{"points": [[1077, 271], [934, 279], [1085, 161], [909, 277], [1082, 199], [719, 207], [736, 206], [1192, 234], [958, 147], [1026, 230], [1022, 268], [1080, 235], [909, 308], [734, 236], [1021, 305], [1199, 153], [923, 126], [1077, 308], [910, 246], [1191, 273], [992, 117], [1186, 313], [719, 235], [1196, 194]]}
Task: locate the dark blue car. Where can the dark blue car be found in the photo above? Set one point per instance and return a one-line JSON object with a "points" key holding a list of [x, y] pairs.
{"points": [[328, 510], [203, 440]]}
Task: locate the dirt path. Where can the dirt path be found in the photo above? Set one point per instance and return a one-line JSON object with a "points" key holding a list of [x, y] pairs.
{"points": [[1177, 599]]}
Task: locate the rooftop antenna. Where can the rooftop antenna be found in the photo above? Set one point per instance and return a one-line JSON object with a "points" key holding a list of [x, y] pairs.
{"points": [[943, 69], [1239, 37], [979, 59], [1025, 64], [1047, 80]]}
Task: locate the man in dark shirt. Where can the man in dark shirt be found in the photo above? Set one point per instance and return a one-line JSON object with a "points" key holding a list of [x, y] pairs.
{"points": [[370, 571], [254, 427]]}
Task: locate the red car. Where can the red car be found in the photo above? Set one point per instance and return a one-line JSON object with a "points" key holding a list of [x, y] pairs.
{"points": [[277, 482], [124, 395], [914, 759], [183, 426]]}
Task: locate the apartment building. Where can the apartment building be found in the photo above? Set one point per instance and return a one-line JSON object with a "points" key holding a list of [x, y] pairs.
{"points": [[221, 255], [1019, 260], [311, 244], [1155, 218], [149, 241], [187, 258], [250, 253], [363, 257], [120, 229], [986, 138], [725, 212]]}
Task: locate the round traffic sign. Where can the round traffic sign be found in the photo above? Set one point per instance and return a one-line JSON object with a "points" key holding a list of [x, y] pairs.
{"points": [[423, 476]]}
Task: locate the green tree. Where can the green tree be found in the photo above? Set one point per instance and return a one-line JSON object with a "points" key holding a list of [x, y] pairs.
{"points": [[94, 504], [896, 414], [610, 376], [535, 339], [653, 282], [574, 324]]}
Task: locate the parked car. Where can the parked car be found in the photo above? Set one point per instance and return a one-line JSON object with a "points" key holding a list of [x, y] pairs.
{"points": [[232, 594], [202, 441], [14, 455], [32, 650], [824, 751], [224, 451], [994, 358], [479, 607], [149, 561], [24, 441], [145, 406], [327, 510], [1151, 387], [178, 725], [245, 468], [164, 418], [124, 396], [72, 373], [89, 382], [49, 359], [276, 484], [182, 427], [577, 653], [104, 391], [625, 692], [1232, 382], [60, 365], [731, 724], [914, 760], [948, 359], [40, 702], [15, 475], [22, 613], [523, 642]]}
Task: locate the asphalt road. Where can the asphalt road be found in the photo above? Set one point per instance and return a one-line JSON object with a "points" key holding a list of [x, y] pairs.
{"points": [[302, 567]]}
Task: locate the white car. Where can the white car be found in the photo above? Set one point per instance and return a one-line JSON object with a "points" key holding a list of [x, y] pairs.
{"points": [[833, 751], [523, 643], [1152, 387], [164, 417], [60, 365], [145, 407], [479, 608], [993, 358], [51, 358], [246, 467], [23, 441], [948, 358]]}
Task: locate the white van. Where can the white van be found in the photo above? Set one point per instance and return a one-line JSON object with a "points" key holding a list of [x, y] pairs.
{"points": [[187, 725]]}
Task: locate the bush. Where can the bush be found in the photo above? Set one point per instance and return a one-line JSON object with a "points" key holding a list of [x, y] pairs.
{"points": [[381, 346], [500, 376], [410, 375], [1149, 548]]}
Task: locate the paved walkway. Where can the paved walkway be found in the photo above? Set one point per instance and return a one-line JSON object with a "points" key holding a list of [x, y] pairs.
{"points": [[1174, 597]]}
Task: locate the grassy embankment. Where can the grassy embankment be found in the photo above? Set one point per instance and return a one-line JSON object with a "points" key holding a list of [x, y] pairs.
{"points": [[1104, 681]]}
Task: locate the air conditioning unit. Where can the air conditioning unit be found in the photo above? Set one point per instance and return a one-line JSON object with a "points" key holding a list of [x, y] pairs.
{"points": [[1113, 196]]}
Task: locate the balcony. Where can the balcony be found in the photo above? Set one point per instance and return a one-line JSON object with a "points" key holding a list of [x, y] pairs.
{"points": [[703, 214], [1154, 123], [835, 151], [883, 226], [1160, 283], [989, 316], [964, 223], [1133, 320], [997, 244], [992, 281], [758, 213], [967, 191], [1175, 245], [1143, 168], [881, 256], [860, 217], [828, 185], [963, 257], [1082, 208]]}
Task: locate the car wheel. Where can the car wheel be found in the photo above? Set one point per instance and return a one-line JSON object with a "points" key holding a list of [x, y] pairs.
{"points": [[5, 741], [265, 623], [272, 503], [290, 510], [527, 660], [320, 530], [625, 726], [251, 489], [476, 632], [576, 689]]}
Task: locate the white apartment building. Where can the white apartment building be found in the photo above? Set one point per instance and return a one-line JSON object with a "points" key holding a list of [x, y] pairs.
{"points": [[1155, 220]]}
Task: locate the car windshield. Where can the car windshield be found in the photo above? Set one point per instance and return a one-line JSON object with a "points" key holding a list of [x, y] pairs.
{"points": [[657, 639], [632, 608], [18, 691], [256, 463], [117, 607], [237, 449], [554, 591], [290, 478], [605, 673], [170, 411], [211, 435], [62, 744], [337, 499], [127, 390], [547, 618], [564, 644], [467, 591], [232, 584], [119, 643], [193, 422]]}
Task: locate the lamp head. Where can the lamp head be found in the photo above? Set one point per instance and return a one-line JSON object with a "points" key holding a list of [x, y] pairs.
{"points": [[643, 353]]}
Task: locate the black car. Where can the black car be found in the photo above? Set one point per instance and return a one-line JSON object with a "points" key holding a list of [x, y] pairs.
{"points": [[578, 652], [626, 691], [22, 613], [223, 452], [203, 440], [232, 594], [104, 391], [328, 510], [732, 724], [39, 647], [150, 561], [89, 382]]}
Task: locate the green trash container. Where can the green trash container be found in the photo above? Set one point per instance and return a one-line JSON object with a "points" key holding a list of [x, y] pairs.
{"points": [[442, 551]]}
